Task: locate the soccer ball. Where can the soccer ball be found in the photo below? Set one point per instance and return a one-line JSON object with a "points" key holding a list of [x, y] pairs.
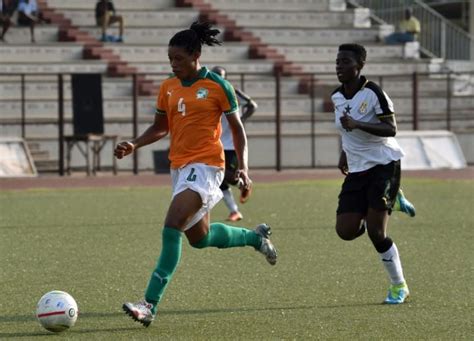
{"points": [[56, 311]]}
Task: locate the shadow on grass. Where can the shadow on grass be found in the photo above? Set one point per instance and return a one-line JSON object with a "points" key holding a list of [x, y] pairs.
{"points": [[90, 315], [86, 315], [71, 224], [29, 318], [351, 305], [229, 310], [69, 332], [243, 310]]}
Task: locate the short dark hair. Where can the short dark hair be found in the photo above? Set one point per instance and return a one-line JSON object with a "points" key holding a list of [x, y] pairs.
{"points": [[193, 38], [358, 50], [219, 70]]}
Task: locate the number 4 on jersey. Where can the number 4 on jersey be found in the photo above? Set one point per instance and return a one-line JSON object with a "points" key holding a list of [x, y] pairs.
{"points": [[181, 106]]}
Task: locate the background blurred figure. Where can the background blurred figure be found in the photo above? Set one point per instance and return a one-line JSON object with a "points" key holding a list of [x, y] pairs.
{"points": [[7, 8], [231, 163], [28, 15], [409, 28], [105, 15]]}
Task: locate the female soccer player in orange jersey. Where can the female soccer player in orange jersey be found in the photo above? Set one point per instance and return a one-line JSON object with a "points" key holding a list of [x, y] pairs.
{"points": [[189, 107]]}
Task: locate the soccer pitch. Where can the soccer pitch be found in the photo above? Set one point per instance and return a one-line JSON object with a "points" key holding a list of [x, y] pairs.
{"points": [[100, 245]]}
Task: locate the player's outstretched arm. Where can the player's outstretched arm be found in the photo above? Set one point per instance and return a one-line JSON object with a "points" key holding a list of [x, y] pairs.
{"points": [[155, 132], [249, 107]]}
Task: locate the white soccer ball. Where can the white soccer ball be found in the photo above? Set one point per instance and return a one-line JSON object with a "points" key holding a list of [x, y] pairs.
{"points": [[56, 311]]}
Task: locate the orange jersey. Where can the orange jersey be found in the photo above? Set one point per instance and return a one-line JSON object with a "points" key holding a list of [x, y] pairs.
{"points": [[194, 110]]}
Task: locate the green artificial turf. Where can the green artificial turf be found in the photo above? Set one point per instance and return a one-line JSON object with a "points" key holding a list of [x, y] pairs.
{"points": [[100, 245]]}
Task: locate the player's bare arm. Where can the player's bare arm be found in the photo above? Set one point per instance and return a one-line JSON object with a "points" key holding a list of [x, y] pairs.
{"points": [[249, 107], [155, 132], [386, 127], [342, 165]]}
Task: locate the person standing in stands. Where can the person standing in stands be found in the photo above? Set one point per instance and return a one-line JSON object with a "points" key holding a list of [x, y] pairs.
{"points": [[105, 15], [370, 157], [189, 106], [230, 177]]}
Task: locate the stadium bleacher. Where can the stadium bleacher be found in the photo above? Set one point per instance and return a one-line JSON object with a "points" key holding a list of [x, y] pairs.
{"points": [[297, 35]]}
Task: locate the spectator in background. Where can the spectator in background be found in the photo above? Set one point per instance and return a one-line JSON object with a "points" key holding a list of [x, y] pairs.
{"points": [[409, 28], [230, 176], [28, 15], [7, 8], [105, 15]]}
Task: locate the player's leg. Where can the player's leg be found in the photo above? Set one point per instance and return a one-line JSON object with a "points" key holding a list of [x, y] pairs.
{"points": [[352, 207], [224, 236], [382, 194], [184, 206], [229, 178], [229, 201], [202, 234]]}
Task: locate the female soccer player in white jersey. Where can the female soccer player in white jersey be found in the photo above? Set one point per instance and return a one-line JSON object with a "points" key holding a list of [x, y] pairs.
{"points": [[371, 161]]}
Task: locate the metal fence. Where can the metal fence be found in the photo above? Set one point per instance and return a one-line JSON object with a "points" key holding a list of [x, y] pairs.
{"points": [[438, 38], [411, 91]]}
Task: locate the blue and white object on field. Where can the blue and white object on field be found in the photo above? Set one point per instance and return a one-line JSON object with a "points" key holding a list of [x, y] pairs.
{"points": [[57, 311]]}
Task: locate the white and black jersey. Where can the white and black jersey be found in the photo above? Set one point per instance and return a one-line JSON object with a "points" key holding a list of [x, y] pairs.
{"points": [[369, 104], [226, 136]]}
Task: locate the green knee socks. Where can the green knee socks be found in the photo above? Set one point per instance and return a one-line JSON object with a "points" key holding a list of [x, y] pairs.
{"points": [[225, 236], [220, 235], [166, 266]]}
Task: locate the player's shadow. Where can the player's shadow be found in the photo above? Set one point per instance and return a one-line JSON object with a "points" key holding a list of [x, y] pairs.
{"points": [[29, 318], [231, 310], [86, 315], [72, 224], [246, 310], [69, 332], [95, 315]]}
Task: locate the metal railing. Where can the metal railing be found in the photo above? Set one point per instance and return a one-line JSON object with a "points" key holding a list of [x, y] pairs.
{"points": [[414, 117], [438, 38]]}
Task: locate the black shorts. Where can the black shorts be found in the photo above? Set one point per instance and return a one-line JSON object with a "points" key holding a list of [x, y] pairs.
{"points": [[231, 165], [231, 162], [376, 188]]}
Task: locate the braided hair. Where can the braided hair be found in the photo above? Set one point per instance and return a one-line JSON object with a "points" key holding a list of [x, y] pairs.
{"points": [[193, 38]]}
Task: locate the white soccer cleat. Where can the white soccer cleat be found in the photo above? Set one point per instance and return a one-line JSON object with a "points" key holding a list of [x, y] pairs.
{"points": [[266, 248], [140, 312]]}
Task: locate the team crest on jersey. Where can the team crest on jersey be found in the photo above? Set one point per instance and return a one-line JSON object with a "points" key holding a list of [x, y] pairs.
{"points": [[202, 93], [363, 107]]}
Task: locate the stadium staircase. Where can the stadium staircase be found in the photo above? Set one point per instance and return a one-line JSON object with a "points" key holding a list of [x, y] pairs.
{"points": [[295, 37]]}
